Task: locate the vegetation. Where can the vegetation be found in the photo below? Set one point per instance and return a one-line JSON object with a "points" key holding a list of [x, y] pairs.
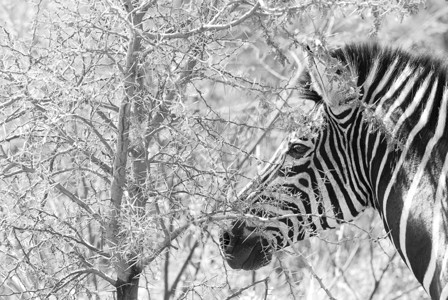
{"points": [[127, 128]]}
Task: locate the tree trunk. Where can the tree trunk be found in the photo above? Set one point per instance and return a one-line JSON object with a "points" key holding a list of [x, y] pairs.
{"points": [[128, 290], [128, 274]]}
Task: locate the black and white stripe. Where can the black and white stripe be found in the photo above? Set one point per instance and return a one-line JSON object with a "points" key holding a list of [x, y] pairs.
{"points": [[389, 150]]}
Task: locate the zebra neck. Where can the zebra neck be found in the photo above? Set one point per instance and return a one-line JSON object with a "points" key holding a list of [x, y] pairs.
{"points": [[410, 178], [341, 168]]}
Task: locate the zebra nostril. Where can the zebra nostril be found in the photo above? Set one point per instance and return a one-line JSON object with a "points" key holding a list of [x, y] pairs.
{"points": [[226, 241]]}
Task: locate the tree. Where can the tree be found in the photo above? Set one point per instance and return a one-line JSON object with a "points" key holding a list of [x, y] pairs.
{"points": [[127, 127]]}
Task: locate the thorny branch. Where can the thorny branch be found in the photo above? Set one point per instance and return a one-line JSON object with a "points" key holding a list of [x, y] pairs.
{"points": [[240, 291], [204, 27], [73, 76]]}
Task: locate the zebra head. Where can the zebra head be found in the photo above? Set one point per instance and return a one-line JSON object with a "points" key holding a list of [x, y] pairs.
{"points": [[295, 196], [291, 198], [274, 219]]}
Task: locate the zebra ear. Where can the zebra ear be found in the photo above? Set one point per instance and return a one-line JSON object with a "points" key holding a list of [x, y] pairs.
{"points": [[332, 80]]}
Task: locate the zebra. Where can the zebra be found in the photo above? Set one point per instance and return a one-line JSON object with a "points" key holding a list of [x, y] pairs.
{"points": [[380, 141]]}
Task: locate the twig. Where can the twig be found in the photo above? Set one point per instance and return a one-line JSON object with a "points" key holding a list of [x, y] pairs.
{"points": [[318, 279], [167, 292], [266, 289], [383, 272], [97, 133], [202, 28], [76, 200], [237, 293], [285, 95], [182, 269], [406, 292], [345, 266], [311, 270], [63, 190], [60, 284], [289, 280], [7, 103]]}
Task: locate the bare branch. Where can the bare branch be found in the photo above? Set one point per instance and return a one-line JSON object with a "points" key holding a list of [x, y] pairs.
{"points": [[74, 274], [285, 95], [240, 291], [203, 28], [181, 271]]}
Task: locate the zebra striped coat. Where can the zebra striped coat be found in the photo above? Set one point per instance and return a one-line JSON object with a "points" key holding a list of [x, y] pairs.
{"points": [[383, 142]]}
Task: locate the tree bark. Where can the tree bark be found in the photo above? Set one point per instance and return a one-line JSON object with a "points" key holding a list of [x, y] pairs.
{"points": [[128, 290], [128, 272]]}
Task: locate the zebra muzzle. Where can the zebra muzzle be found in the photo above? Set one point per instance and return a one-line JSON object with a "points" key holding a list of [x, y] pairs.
{"points": [[244, 247]]}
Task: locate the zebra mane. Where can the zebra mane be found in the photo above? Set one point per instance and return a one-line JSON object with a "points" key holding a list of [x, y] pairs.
{"points": [[361, 57], [370, 63]]}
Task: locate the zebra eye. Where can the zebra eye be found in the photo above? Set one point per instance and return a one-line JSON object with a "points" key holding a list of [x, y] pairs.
{"points": [[298, 150]]}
